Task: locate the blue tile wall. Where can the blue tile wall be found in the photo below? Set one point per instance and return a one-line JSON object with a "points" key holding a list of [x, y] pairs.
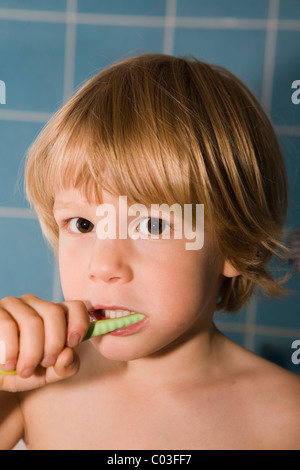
{"points": [[45, 54], [223, 8], [227, 48], [278, 351], [281, 312], [289, 9], [287, 70], [119, 7], [98, 47], [33, 54], [52, 5], [291, 149], [26, 262], [14, 138]]}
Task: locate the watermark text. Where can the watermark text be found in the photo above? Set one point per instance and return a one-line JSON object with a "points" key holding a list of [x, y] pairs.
{"points": [[296, 353], [163, 218], [296, 94]]}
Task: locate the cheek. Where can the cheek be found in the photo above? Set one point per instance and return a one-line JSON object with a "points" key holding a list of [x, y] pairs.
{"points": [[69, 273], [187, 283], [67, 281], [67, 284]]}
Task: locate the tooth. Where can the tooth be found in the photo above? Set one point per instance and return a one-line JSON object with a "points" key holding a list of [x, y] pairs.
{"points": [[126, 313], [118, 313], [112, 314]]}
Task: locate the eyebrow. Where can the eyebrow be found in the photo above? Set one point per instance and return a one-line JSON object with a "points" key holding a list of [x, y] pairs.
{"points": [[62, 205]]}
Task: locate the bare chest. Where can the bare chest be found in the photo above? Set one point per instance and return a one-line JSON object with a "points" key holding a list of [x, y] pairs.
{"points": [[112, 419]]}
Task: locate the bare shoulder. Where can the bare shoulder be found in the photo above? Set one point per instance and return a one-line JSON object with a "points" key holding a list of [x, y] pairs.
{"points": [[273, 397], [280, 405]]}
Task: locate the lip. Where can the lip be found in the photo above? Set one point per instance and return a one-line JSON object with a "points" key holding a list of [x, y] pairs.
{"points": [[129, 330], [95, 314], [112, 307]]}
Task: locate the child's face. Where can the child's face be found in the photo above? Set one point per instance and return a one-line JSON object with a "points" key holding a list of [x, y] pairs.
{"points": [[176, 288]]}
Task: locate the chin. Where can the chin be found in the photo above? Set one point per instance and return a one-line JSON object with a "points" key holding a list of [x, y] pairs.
{"points": [[116, 352]]}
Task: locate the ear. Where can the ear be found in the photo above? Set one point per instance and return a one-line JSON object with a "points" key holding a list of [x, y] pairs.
{"points": [[228, 270]]}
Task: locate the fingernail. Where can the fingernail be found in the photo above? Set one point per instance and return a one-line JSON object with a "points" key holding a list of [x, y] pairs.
{"points": [[48, 361], [2, 352], [9, 366], [71, 361], [27, 372], [74, 340]]}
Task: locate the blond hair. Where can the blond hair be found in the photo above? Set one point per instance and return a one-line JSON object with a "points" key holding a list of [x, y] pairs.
{"points": [[167, 129]]}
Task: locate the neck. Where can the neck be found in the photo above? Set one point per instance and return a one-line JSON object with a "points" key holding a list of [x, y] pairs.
{"points": [[188, 360]]}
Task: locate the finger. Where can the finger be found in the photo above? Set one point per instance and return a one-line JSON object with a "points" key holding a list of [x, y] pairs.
{"points": [[31, 336], [66, 366], [9, 337], [55, 330], [78, 321]]}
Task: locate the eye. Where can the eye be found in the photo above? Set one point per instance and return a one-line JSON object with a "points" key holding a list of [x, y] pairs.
{"points": [[80, 225], [153, 226]]}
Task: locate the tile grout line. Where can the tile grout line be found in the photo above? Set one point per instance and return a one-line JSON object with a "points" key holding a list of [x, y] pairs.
{"points": [[145, 20], [68, 87], [221, 23], [288, 131], [169, 27], [282, 332], [70, 49], [17, 213], [270, 51], [24, 116]]}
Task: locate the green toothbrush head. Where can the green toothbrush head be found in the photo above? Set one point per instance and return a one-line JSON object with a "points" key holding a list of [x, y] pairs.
{"points": [[102, 327]]}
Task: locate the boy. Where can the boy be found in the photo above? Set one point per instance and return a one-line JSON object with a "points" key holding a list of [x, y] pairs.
{"points": [[158, 130]]}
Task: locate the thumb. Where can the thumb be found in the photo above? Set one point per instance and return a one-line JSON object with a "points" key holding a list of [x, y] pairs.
{"points": [[66, 366]]}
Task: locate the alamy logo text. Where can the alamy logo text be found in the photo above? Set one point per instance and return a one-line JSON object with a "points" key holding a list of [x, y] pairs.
{"points": [[296, 95], [183, 221]]}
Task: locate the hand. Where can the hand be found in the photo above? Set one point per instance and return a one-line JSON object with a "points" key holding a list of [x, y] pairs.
{"points": [[39, 337]]}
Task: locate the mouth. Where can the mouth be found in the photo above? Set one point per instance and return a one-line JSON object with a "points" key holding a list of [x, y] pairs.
{"points": [[98, 314], [116, 322]]}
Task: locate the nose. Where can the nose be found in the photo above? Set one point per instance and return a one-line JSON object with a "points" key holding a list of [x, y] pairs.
{"points": [[110, 261]]}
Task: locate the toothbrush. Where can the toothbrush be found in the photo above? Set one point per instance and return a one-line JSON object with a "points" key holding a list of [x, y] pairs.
{"points": [[101, 327]]}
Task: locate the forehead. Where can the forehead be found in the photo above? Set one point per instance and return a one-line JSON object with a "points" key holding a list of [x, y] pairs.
{"points": [[70, 197], [67, 198]]}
